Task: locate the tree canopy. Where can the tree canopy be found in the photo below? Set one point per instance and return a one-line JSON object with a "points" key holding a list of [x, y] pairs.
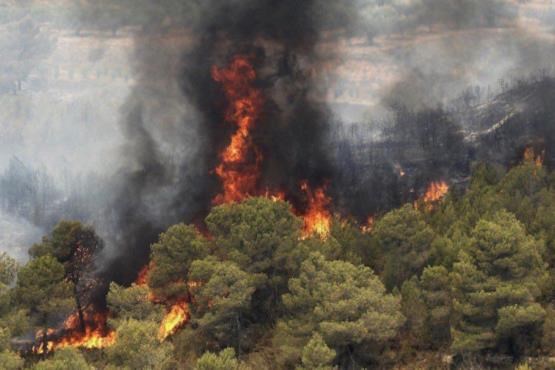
{"points": [[465, 281]]}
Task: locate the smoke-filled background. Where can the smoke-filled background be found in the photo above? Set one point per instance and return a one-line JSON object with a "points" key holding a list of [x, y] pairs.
{"points": [[109, 113]]}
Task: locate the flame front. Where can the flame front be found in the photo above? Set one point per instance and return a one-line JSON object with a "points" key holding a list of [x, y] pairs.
{"points": [[239, 168], [317, 218], [94, 336], [176, 317]]}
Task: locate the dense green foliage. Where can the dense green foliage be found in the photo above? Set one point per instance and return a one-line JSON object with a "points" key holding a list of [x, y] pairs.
{"points": [[465, 281], [171, 259], [497, 282]]}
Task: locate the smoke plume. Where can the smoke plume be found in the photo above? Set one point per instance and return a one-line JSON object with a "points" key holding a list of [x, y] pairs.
{"points": [[175, 125], [441, 65]]}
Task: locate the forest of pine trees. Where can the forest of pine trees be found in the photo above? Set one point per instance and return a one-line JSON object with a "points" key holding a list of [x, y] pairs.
{"points": [[467, 283]]}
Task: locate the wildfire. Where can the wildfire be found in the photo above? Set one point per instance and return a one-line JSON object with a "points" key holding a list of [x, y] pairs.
{"points": [[369, 225], [436, 191], [176, 317], [239, 167], [94, 336], [142, 277], [276, 197], [530, 156], [142, 280], [317, 219]]}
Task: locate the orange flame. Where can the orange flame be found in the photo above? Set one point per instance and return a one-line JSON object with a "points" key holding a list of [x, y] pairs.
{"points": [[142, 277], [142, 280], [239, 168], [276, 196], [436, 191], [317, 219], [368, 226], [176, 317], [530, 156], [95, 334]]}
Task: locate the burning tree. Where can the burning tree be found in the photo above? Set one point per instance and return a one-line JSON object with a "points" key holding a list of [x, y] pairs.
{"points": [[76, 247], [73, 247], [239, 169]]}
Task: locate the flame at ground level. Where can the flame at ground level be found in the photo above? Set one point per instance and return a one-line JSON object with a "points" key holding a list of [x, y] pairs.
{"points": [[176, 317], [91, 339], [95, 334], [317, 218]]}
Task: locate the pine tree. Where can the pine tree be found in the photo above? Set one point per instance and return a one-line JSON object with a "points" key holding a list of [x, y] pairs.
{"points": [[346, 304], [44, 291], [221, 305], [435, 286], [497, 281], [171, 258], [317, 355], [225, 360], [406, 241]]}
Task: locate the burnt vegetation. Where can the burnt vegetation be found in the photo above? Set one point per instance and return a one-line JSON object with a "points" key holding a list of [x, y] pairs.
{"points": [[249, 227]]}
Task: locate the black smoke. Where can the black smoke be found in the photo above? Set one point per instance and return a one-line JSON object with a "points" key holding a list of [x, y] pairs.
{"points": [[169, 176], [175, 128]]}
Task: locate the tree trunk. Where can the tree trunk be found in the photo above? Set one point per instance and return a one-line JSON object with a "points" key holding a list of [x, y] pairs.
{"points": [[238, 341], [347, 361], [79, 309], [45, 337]]}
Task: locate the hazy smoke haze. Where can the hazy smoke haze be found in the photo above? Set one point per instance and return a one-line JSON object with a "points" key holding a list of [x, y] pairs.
{"points": [[114, 119]]}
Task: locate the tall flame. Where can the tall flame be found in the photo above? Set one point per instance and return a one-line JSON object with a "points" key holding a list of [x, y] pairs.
{"points": [[176, 317], [317, 218], [239, 168]]}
